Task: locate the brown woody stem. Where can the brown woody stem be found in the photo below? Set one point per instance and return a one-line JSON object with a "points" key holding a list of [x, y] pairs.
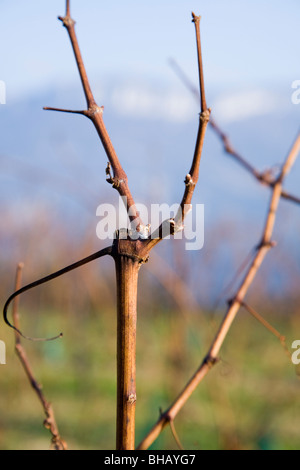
{"points": [[128, 259], [127, 278]]}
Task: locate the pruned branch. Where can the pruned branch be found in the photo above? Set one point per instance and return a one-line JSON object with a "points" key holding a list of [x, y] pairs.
{"points": [[234, 304], [50, 423]]}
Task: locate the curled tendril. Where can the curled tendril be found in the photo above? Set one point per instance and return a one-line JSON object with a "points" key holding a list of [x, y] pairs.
{"points": [[88, 259]]}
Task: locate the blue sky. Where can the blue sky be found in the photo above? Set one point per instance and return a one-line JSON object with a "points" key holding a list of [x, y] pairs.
{"points": [[244, 43]]}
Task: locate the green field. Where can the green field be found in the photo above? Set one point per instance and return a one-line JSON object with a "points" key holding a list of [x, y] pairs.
{"points": [[250, 399]]}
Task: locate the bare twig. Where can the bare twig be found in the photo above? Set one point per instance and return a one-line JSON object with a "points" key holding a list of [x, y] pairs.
{"points": [[50, 423], [234, 305], [60, 110], [196, 20]]}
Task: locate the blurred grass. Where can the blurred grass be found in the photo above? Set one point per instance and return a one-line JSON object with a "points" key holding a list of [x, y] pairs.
{"points": [[250, 400]]}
